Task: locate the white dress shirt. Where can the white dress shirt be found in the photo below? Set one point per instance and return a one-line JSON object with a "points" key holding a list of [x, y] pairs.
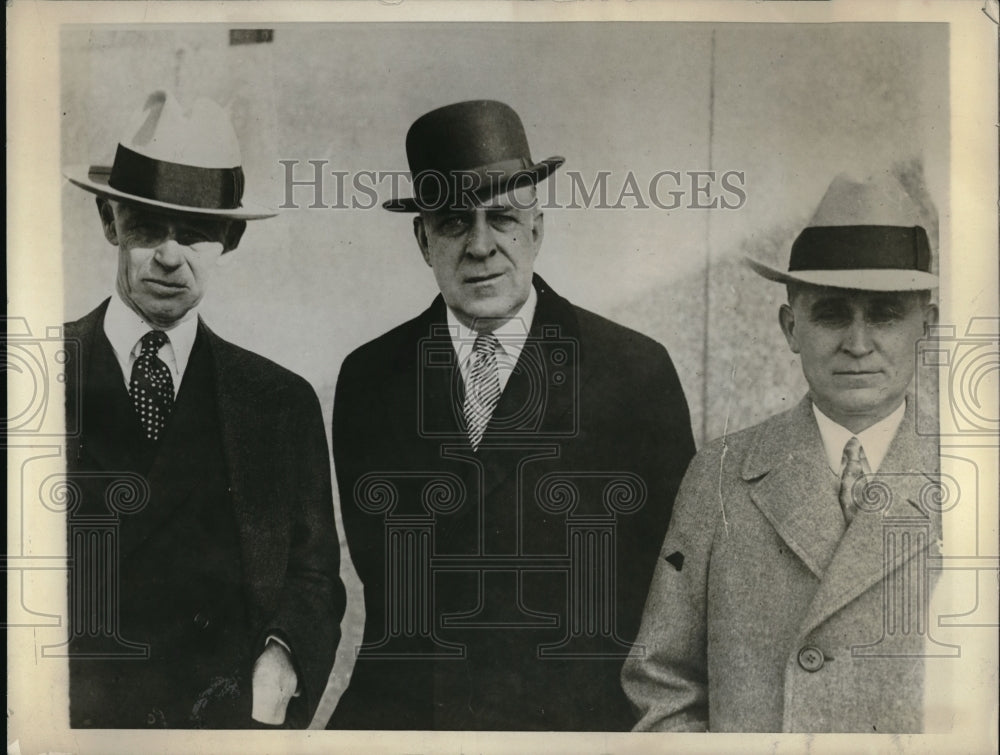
{"points": [[511, 335], [875, 440], [125, 329]]}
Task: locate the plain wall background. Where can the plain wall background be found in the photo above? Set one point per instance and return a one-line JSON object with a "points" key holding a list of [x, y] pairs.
{"points": [[789, 105]]}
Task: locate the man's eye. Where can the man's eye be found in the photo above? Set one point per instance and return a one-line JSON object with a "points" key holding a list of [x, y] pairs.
{"points": [[831, 316], [884, 314], [147, 234], [503, 220], [453, 223], [207, 247], [190, 238]]}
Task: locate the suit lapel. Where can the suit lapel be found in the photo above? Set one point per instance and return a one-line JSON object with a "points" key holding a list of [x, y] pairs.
{"points": [[900, 493], [182, 456], [794, 488], [242, 405], [111, 432]]}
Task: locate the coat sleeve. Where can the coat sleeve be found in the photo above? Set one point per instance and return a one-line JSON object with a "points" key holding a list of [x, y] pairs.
{"points": [[666, 674], [312, 595], [661, 448]]}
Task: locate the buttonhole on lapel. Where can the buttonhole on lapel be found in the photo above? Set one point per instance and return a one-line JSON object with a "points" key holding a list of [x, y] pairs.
{"points": [[917, 507], [675, 559]]}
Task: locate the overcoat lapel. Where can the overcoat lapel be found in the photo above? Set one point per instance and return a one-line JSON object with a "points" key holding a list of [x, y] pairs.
{"points": [[795, 488], [423, 389], [554, 327], [902, 488]]}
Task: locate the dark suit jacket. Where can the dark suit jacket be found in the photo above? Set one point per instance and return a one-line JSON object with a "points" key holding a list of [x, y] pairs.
{"points": [[503, 586], [278, 537]]}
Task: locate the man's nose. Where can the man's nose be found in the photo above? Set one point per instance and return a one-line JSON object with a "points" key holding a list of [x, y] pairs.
{"points": [[169, 254], [857, 339], [480, 242]]}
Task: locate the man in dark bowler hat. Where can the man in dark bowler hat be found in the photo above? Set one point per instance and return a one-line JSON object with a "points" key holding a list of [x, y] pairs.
{"points": [[792, 591], [204, 587], [506, 462]]}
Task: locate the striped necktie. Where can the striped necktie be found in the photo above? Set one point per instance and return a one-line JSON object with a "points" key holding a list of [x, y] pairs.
{"points": [[853, 461], [151, 387], [483, 391]]}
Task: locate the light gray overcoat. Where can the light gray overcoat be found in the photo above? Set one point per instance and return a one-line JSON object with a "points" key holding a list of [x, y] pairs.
{"points": [[764, 614]]}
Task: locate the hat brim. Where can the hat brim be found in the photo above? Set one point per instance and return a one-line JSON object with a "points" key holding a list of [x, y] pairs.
{"points": [[96, 182], [859, 280], [538, 172]]}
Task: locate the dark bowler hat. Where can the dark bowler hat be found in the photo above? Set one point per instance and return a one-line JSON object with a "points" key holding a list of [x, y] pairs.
{"points": [[177, 161], [468, 152], [869, 236]]}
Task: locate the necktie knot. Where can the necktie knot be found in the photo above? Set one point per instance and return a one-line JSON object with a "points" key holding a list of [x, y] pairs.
{"points": [[852, 451], [486, 343], [153, 341]]}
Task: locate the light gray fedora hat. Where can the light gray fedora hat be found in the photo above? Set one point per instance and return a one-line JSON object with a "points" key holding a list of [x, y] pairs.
{"points": [[868, 235], [175, 161]]}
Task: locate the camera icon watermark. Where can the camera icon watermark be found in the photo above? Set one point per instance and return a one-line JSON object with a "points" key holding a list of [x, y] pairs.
{"points": [[35, 367], [541, 400], [967, 372]]}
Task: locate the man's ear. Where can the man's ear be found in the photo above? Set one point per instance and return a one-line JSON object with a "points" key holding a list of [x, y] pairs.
{"points": [[930, 317], [421, 235], [107, 213], [234, 233], [786, 319], [538, 228]]}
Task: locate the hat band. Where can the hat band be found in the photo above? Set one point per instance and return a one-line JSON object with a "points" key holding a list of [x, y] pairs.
{"points": [[434, 189], [861, 247], [173, 183]]}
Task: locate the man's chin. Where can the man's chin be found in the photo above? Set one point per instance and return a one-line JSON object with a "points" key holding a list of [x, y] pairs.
{"points": [[866, 404], [494, 309], [164, 318]]}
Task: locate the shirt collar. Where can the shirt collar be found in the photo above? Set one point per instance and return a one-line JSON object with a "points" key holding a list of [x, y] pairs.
{"points": [[125, 328], [512, 335], [875, 440]]}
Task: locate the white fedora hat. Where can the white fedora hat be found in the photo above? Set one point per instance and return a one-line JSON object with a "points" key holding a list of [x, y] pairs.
{"points": [[870, 236], [175, 161]]}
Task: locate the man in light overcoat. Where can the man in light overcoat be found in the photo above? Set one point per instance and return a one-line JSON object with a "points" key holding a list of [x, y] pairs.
{"points": [[790, 593]]}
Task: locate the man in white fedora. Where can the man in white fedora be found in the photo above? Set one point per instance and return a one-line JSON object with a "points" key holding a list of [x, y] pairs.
{"points": [[783, 599], [204, 587]]}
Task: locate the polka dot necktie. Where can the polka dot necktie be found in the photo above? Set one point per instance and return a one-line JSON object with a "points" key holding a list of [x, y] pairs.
{"points": [[483, 391], [151, 386], [853, 461]]}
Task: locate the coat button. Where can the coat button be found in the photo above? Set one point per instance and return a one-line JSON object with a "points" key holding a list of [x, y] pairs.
{"points": [[201, 620], [811, 658]]}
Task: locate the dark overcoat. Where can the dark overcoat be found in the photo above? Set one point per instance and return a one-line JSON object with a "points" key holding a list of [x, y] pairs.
{"points": [[503, 586], [209, 542]]}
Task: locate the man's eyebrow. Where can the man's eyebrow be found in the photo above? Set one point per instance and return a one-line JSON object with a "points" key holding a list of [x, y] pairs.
{"points": [[828, 302], [889, 301], [449, 212]]}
